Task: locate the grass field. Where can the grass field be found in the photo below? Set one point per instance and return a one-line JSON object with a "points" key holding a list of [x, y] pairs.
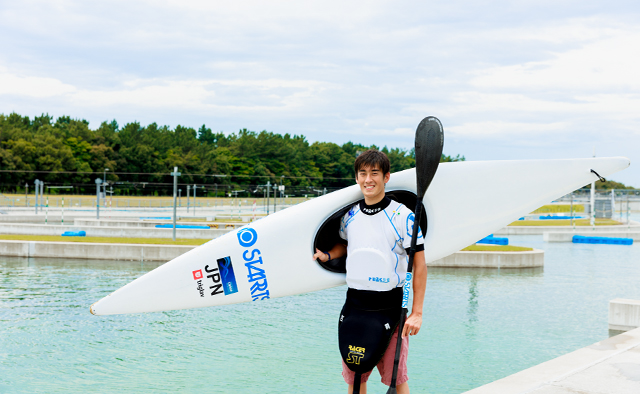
{"points": [[565, 222], [559, 208], [496, 248], [107, 240]]}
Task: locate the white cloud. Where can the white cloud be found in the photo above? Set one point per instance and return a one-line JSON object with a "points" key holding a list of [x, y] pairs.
{"points": [[32, 86], [609, 64], [183, 94], [503, 129], [204, 95]]}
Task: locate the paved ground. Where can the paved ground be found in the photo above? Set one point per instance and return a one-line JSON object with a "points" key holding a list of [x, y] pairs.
{"points": [[608, 367]]}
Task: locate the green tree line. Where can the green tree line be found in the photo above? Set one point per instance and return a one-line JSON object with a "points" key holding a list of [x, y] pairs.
{"points": [[608, 185], [68, 152]]}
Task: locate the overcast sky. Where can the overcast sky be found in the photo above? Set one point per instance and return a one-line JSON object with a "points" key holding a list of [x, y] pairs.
{"points": [[508, 79]]}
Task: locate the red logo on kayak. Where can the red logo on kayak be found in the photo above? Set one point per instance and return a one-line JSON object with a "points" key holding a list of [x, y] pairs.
{"points": [[197, 274]]}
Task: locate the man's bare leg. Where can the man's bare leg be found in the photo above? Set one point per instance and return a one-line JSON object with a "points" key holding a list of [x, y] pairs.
{"points": [[363, 388], [403, 388]]}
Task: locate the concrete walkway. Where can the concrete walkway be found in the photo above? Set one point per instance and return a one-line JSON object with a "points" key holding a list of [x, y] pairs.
{"points": [[611, 366]]}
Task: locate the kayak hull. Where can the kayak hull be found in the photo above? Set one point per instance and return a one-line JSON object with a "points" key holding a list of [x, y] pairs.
{"points": [[271, 257]]}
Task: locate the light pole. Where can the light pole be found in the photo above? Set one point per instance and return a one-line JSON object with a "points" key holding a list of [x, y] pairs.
{"points": [[268, 187], [37, 183], [175, 175], [104, 185], [194, 200], [98, 182], [275, 195], [282, 190], [41, 194]]}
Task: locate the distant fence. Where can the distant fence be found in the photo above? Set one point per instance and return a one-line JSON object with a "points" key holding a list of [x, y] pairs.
{"points": [[124, 202]]}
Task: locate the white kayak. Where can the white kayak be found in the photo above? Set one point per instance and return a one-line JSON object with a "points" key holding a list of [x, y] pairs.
{"points": [[271, 257]]}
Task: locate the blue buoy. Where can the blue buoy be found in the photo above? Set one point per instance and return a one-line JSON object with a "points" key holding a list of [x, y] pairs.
{"points": [[494, 240], [74, 234], [580, 239]]}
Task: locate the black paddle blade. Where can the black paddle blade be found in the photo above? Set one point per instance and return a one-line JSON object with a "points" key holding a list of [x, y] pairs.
{"points": [[392, 390], [429, 144]]}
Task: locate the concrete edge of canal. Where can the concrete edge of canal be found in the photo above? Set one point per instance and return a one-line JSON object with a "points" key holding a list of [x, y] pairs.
{"points": [[609, 366], [88, 250], [145, 252]]}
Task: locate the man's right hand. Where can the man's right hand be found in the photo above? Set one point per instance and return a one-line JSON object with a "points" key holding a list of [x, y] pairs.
{"points": [[320, 255]]}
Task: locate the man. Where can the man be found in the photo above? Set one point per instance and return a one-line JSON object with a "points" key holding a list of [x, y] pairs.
{"points": [[377, 237]]}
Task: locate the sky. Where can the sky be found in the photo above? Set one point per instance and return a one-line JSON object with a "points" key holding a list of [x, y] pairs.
{"points": [[508, 79]]}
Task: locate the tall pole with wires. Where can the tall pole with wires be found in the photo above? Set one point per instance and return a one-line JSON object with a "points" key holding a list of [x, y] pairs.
{"points": [[37, 184], [194, 200], [175, 175], [188, 192], [98, 183], [268, 187]]}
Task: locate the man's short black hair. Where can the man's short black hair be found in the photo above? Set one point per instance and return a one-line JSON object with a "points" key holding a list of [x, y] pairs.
{"points": [[372, 158]]}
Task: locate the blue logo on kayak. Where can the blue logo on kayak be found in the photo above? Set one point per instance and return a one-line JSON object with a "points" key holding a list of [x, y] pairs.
{"points": [[229, 284], [256, 275], [223, 279], [247, 237]]}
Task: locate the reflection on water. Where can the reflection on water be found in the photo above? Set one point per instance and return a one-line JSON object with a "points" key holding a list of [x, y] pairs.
{"points": [[23, 262], [472, 309], [479, 325], [486, 272]]}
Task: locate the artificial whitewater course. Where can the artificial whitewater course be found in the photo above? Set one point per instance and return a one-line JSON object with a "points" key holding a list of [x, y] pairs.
{"points": [[480, 325], [250, 311]]}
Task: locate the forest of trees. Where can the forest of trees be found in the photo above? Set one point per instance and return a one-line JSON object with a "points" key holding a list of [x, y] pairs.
{"points": [[139, 158]]}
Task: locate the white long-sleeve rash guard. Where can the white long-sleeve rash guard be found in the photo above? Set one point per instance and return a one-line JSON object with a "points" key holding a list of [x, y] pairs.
{"points": [[378, 238]]}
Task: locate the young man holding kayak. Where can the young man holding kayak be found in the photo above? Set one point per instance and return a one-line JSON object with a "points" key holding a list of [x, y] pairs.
{"points": [[377, 236]]}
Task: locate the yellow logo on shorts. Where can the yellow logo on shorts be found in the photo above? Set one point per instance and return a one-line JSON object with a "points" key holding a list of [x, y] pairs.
{"points": [[355, 354]]}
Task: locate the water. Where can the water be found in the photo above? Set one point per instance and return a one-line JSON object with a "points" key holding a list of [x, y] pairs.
{"points": [[480, 325]]}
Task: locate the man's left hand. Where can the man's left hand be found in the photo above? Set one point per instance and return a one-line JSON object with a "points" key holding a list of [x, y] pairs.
{"points": [[412, 325]]}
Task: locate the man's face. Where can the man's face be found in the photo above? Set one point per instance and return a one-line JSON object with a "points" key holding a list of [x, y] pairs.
{"points": [[372, 181]]}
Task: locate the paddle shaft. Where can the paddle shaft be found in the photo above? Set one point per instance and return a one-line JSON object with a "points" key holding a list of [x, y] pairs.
{"points": [[405, 293]]}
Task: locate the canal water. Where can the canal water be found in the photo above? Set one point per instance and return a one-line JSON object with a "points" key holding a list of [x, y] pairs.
{"points": [[480, 325]]}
